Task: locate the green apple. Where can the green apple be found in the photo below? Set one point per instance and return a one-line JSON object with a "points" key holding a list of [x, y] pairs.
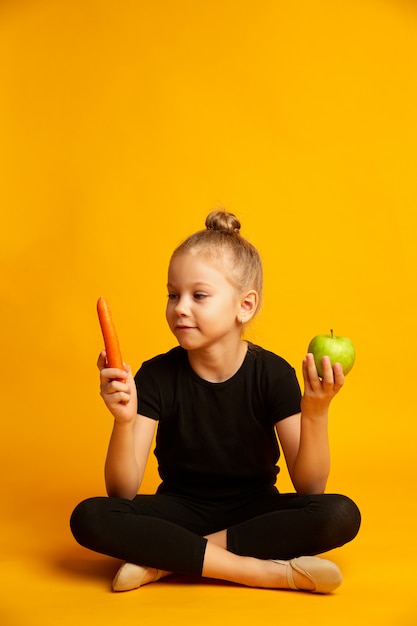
{"points": [[338, 349]]}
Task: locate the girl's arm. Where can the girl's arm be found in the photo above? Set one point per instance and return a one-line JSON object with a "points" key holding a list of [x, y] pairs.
{"points": [[304, 436], [132, 434], [127, 456]]}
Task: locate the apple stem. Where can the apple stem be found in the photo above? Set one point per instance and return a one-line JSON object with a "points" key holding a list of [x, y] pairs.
{"points": [[331, 332]]}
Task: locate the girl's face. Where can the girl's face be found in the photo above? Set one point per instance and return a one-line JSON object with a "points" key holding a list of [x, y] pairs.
{"points": [[203, 306]]}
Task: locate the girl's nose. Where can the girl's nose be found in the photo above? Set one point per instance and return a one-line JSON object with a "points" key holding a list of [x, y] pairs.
{"points": [[181, 307]]}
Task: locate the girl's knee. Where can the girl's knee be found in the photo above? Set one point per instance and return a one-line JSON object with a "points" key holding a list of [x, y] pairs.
{"points": [[84, 520], [348, 516]]}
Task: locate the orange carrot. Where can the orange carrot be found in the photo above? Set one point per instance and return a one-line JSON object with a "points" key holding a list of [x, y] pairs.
{"points": [[111, 342]]}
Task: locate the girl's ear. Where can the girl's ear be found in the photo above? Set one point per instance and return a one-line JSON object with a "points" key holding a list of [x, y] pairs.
{"points": [[248, 306]]}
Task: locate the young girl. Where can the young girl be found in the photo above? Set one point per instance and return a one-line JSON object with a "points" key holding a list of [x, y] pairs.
{"points": [[219, 403]]}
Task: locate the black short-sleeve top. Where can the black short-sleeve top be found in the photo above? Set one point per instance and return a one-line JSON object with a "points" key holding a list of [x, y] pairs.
{"points": [[217, 439]]}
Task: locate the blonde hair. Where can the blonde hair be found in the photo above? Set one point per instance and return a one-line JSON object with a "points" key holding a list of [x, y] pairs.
{"points": [[221, 240]]}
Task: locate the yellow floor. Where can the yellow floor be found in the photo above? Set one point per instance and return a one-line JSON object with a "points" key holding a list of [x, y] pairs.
{"points": [[46, 579]]}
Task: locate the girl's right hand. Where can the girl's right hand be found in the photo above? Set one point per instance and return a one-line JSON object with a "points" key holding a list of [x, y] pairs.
{"points": [[119, 396]]}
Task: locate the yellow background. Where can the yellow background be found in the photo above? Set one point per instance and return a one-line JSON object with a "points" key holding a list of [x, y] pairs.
{"points": [[122, 125]]}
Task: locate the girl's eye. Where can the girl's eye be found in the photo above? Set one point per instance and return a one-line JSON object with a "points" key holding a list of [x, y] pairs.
{"points": [[172, 296], [200, 296]]}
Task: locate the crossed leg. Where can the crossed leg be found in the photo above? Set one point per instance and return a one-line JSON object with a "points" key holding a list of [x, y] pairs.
{"points": [[246, 553]]}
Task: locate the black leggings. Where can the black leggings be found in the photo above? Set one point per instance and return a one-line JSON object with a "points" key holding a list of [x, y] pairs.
{"points": [[166, 531]]}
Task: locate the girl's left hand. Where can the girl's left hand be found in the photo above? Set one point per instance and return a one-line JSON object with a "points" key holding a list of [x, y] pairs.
{"points": [[319, 392]]}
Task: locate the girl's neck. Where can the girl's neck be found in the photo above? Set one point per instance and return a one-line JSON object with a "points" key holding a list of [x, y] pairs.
{"points": [[217, 365]]}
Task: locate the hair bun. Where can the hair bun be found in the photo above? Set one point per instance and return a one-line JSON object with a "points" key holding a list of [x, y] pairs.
{"points": [[223, 221]]}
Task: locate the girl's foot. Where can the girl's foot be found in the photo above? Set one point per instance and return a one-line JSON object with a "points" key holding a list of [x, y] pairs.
{"points": [[310, 573], [132, 576]]}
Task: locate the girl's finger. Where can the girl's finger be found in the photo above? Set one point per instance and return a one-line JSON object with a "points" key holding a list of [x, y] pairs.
{"points": [[110, 374], [305, 373], [328, 378], [339, 377], [102, 361], [110, 387], [312, 370]]}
